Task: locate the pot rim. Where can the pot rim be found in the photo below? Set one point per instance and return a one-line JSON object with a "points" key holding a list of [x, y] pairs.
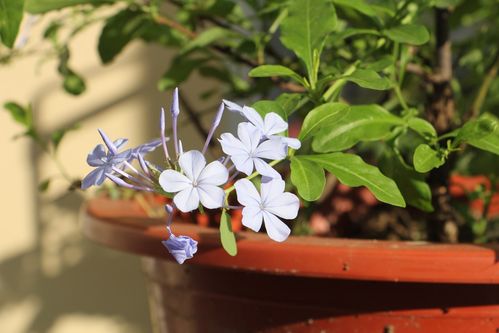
{"points": [[124, 226]]}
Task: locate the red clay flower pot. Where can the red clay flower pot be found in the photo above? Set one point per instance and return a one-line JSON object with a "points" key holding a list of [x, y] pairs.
{"points": [[306, 284]]}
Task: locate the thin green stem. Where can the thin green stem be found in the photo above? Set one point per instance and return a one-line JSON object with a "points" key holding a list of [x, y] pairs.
{"points": [[400, 97]]}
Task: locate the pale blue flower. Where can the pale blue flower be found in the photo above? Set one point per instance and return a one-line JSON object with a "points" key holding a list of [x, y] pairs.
{"points": [[248, 152], [197, 183], [104, 161], [267, 206], [269, 126]]}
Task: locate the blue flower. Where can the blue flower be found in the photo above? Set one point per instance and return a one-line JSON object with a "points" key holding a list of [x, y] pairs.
{"points": [[145, 148], [104, 161], [181, 247]]}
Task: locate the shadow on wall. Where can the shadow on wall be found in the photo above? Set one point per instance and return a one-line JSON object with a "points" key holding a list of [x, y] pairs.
{"points": [[65, 278]]}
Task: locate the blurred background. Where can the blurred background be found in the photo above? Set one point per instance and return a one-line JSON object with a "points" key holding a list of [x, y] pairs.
{"points": [[51, 278]]}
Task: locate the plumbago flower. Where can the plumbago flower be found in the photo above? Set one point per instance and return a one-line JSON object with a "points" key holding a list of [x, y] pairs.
{"points": [[105, 162], [194, 183], [198, 183], [269, 126], [248, 151], [270, 203]]}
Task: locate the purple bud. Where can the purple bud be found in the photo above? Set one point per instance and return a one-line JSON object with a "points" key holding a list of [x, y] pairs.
{"points": [[218, 116], [162, 122], [214, 125], [175, 109], [162, 132], [169, 209]]}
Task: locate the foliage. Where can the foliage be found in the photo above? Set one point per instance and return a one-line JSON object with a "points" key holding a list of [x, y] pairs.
{"points": [[351, 72]]}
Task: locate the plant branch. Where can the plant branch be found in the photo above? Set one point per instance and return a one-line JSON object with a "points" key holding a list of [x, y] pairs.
{"points": [[284, 85]]}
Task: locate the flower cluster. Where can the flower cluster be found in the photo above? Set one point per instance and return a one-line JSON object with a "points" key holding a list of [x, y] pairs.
{"points": [[192, 182]]}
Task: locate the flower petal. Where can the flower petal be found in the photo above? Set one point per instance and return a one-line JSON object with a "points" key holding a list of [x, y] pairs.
{"points": [[253, 116], [249, 135], [95, 177], [285, 205], [118, 143], [247, 195], [211, 196], [243, 163], [265, 169], [276, 229], [187, 200], [231, 145], [252, 218], [192, 163], [95, 158], [291, 142], [173, 181], [215, 173], [232, 106], [274, 124], [274, 149], [271, 190]]}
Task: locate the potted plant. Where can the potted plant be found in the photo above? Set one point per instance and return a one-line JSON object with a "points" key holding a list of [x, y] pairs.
{"points": [[402, 146]]}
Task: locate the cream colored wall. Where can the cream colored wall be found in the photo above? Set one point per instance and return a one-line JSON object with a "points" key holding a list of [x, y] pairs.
{"points": [[51, 278]]}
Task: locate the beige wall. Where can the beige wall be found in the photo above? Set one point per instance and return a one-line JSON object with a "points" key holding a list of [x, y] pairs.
{"points": [[51, 278]]}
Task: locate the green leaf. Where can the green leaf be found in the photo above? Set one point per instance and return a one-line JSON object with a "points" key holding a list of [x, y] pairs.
{"points": [[227, 237], [11, 14], [412, 184], [408, 33], [426, 158], [180, 70], [380, 64], [206, 38], [351, 170], [482, 133], [357, 123], [73, 83], [263, 107], [44, 185], [290, 102], [367, 78], [325, 115], [308, 177], [18, 113], [358, 5], [422, 127], [305, 28], [43, 6], [274, 70], [118, 31]]}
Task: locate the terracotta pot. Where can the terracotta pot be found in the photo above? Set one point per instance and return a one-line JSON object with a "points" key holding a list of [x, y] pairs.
{"points": [[306, 284]]}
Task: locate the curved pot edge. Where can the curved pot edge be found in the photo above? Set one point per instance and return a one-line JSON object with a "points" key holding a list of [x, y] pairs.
{"points": [[122, 225]]}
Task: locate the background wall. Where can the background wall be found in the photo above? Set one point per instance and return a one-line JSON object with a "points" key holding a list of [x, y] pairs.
{"points": [[51, 278]]}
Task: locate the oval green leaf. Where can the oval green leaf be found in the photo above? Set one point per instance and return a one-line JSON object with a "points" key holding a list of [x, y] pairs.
{"points": [[351, 170], [308, 177], [426, 158], [414, 34], [358, 123], [227, 236]]}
